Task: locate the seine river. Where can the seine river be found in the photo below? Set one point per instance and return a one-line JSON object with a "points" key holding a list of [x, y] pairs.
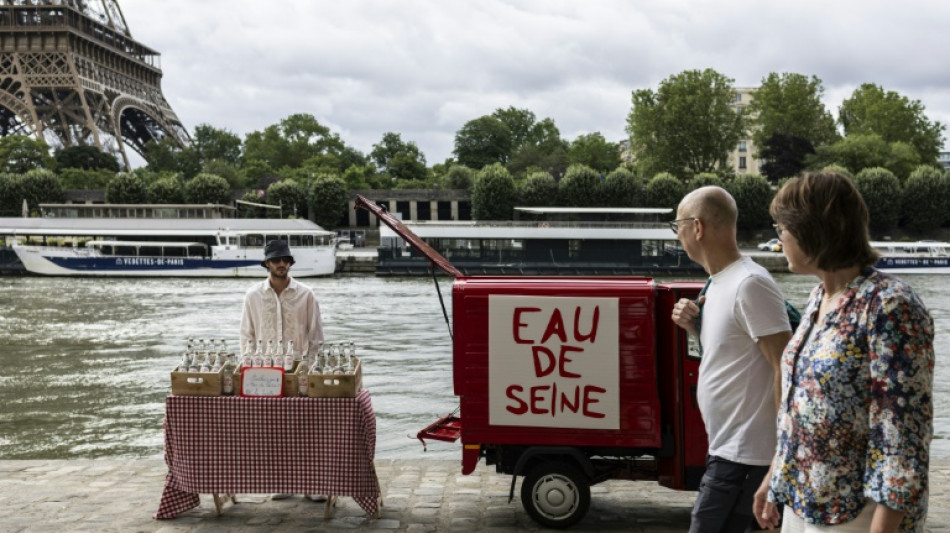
{"points": [[84, 363]]}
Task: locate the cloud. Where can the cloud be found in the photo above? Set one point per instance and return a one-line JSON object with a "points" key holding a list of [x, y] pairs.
{"points": [[423, 68]]}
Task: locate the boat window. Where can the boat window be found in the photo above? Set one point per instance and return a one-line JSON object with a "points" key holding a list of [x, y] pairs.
{"points": [[253, 240], [125, 250], [295, 240], [151, 251]]}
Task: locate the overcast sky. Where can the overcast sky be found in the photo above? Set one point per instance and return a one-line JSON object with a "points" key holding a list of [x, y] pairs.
{"points": [[424, 68]]}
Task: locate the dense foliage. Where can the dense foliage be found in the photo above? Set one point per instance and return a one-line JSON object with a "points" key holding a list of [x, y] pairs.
{"points": [[493, 194], [126, 188], [880, 190]]}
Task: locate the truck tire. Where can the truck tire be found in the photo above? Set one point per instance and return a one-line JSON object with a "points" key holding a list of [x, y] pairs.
{"points": [[555, 494]]}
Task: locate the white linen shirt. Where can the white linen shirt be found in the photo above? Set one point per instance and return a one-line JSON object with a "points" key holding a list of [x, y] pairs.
{"points": [[293, 315]]}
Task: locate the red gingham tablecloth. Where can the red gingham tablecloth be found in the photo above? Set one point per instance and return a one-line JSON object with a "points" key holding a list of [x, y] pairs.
{"points": [[225, 444]]}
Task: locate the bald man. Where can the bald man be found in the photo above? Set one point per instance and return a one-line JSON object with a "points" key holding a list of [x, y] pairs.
{"points": [[743, 328]]}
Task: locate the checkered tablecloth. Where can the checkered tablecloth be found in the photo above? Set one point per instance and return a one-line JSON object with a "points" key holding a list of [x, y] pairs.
{"points": [[224, 445]]}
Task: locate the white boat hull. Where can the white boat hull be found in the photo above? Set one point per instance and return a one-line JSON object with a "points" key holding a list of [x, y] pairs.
{"points": [[224, 263]]}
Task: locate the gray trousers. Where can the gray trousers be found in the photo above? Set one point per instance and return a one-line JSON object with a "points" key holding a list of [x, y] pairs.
{"points": [[724, 503]]}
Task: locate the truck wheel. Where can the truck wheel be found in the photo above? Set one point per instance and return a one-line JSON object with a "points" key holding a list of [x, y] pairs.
{"points": [[555, 494]]}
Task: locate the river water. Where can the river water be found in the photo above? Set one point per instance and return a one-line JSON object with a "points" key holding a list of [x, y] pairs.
{"points": [[84, 363]]}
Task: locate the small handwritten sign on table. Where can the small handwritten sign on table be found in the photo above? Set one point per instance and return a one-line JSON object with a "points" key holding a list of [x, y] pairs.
{"points": [[259, 382]]}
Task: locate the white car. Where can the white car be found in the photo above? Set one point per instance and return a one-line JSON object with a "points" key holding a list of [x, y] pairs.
{"points": [[773, 245]]}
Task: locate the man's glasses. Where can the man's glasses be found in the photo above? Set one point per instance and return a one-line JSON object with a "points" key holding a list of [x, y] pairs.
{"points": [[287, 260], [675, 224]]}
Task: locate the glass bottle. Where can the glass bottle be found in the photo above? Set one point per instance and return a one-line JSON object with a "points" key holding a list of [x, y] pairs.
{"points": [[227, 381], [185, 361], [259, 353], [302, 380]]}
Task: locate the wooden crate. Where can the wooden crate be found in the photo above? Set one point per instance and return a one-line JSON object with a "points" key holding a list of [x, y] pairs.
{"points": [[291, 385], [186, 383], [336, 385]]}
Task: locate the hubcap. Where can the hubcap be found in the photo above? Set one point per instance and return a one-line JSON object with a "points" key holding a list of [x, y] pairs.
{"points": [[555, 496]]}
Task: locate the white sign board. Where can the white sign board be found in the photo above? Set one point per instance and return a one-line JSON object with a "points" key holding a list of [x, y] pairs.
{"points": [[262, 381], [553, 362]]}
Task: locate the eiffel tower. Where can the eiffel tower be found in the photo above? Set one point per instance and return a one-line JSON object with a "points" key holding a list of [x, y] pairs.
{"points": [[71, 74]]}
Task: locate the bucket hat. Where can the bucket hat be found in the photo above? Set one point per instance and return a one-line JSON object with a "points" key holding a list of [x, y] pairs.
{"points": [[275, 249]]}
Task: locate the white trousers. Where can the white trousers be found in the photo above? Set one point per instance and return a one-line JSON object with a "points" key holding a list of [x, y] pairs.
{"points": [[792, 523]]}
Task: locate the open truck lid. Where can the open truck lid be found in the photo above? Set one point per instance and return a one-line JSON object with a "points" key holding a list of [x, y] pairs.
{"points": [[435, 258], [449, 427]]}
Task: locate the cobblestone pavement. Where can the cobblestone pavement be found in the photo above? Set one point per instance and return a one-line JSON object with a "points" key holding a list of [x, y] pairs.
{"points": [[419, 496]]}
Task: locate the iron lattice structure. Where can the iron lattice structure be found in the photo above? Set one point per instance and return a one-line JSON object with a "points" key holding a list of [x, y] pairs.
{"points": [[71, 74]]}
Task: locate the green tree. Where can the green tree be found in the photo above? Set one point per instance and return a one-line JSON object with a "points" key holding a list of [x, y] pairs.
{"points": [[706, 179], [165, 155], [482, 142], [19, 154], [290, 195], [664, 190], [493, 194], [790, 105], [458, 177], [399, 159], [227, 170], [880, 187], [594, 151], [544, 149], [785, 156], [539, 189], [871, 110], [521, 126], [581, 186], [293, 141], [687, 126], [359, 177], [753, 194], [78, 178], [86, 158], [214, 144], [859, 151], [39, 186], [11, 199], [327, 200], [166, 190], [622, 188], [126, 188], [922, 200], [208, 189]]}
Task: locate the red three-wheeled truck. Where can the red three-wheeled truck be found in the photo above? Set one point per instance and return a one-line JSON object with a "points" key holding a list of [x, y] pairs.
{"points": [[569, 381]]}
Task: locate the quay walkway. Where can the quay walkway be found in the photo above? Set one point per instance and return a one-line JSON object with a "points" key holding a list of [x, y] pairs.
{"points": [[116, 495]]}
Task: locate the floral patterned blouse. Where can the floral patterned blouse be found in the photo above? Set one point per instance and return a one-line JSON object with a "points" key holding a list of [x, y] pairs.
{"points": [[857, 413]]}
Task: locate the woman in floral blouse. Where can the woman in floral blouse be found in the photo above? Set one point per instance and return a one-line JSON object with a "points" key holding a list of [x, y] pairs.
{"points": [[855, 423]]}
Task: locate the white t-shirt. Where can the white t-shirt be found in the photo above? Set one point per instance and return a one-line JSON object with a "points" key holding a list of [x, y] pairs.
{"points": [[736, 382], [294, 315]]}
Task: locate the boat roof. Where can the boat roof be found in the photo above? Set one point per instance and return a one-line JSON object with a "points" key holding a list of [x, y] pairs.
{"points": [[595, 210], [910, 244], [156, 226], [536, 230]]}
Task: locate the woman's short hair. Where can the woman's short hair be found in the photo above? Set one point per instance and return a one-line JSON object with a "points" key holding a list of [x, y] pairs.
{"points": [[828, 217]]}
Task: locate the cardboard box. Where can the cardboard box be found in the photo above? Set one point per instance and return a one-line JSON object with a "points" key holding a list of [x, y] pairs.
{"points": [[186, 383], [336, 385]]}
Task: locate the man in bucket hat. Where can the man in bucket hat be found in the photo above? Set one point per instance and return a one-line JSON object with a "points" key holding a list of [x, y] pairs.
{"points": [[281, 309]]}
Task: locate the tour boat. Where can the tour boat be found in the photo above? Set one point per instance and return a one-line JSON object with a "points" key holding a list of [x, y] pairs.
{"points": [[165, 247], [920, 257], [559, 241]]}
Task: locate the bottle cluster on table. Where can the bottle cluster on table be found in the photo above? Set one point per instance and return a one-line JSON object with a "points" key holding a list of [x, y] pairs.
{"points": [[213, 357]]}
